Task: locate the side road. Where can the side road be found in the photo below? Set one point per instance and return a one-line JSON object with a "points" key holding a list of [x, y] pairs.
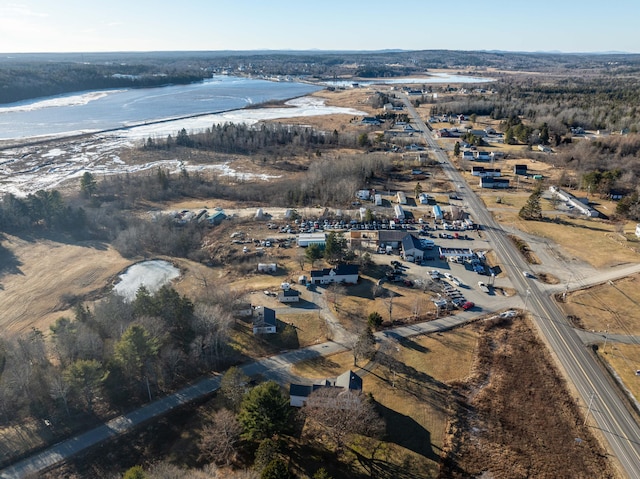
{"points": [[275, 367]]}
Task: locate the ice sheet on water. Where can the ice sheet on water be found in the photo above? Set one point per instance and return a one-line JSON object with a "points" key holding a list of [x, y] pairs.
{"points": [[62, 100]]}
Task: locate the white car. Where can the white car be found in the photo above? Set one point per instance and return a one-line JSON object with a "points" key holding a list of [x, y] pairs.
{"points": [[527, 274]]}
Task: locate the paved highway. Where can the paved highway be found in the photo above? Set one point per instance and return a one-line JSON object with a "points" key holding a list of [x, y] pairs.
{"points": [[601, 402]]}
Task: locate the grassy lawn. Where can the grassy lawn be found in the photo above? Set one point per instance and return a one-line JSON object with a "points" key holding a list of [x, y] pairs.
{"points": [[624, 359], [608, 307]]}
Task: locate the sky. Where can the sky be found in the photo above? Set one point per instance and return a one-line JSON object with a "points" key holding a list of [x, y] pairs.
{"points": [[160, 25]]}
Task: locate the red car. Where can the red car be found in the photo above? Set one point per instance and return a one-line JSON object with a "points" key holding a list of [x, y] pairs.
{"points": [[468, 305]]}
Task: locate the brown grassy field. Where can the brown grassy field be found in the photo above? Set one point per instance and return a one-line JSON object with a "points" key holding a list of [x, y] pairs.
{"points": [[595, 241], [48, 274], [624, 359], [514, 417]]}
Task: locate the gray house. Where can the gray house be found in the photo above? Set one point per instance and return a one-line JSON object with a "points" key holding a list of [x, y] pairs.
{"points": [[347, 381], [264, 320], [412, 248]]}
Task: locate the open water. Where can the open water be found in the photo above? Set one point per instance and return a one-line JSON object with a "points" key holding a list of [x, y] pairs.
{"points": [[103, 110]]}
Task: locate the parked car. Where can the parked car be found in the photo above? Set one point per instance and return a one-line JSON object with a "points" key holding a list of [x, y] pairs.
{"points": [[468, 305]]}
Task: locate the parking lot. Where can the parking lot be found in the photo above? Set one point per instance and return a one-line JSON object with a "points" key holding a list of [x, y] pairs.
{"points": [[456, 282]]}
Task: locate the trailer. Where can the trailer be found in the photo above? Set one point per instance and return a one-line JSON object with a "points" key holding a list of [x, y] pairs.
{"points": [[437, 212]]}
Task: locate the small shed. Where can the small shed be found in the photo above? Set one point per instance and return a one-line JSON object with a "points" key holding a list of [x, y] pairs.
{"points": [[242, 310], [289, 296], [520, 170]]}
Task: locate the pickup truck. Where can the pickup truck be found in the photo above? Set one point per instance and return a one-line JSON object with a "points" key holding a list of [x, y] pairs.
{"points": [[483, 287]]}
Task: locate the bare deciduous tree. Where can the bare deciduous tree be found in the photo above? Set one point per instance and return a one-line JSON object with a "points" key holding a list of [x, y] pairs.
{"points": [[59, 390], [211, 325], [388, 301], [343, 414], [219, 438], [233, 385]]}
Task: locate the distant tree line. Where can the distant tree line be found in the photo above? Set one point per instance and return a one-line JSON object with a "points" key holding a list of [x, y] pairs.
{"points": [[594, 102], [21, 81], [239, 138]]}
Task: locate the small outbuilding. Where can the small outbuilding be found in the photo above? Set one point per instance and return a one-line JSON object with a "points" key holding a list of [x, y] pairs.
{"points": [[289, 296], [267, 267]]}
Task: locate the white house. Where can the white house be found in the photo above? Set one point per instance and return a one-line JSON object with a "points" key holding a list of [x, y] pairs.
{"points": [[575, 202], [398, 212], [289, 296], [638, 230], [343, 273], [378, 199], [402, 198], [264, 320], [467, 155]]}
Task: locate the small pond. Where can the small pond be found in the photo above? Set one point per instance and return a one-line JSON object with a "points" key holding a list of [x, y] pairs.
{"points": [[151, 274]]}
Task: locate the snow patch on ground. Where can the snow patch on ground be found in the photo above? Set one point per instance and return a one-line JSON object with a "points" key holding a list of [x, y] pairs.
{"points": [[151, 274]]}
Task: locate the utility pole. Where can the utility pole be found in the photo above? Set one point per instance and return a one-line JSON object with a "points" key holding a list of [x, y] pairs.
{"points": [[589, 409], [606, 331], [526, 299]]}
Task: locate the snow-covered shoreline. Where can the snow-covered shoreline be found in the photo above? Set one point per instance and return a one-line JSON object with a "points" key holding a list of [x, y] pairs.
{"points": [[47, 165]]}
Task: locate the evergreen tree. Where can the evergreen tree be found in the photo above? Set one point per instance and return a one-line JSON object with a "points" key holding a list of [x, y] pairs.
{"points": [[313, 253], [276, 469], [264, 412], [532, 209], [88, 184], [335, 247]]}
